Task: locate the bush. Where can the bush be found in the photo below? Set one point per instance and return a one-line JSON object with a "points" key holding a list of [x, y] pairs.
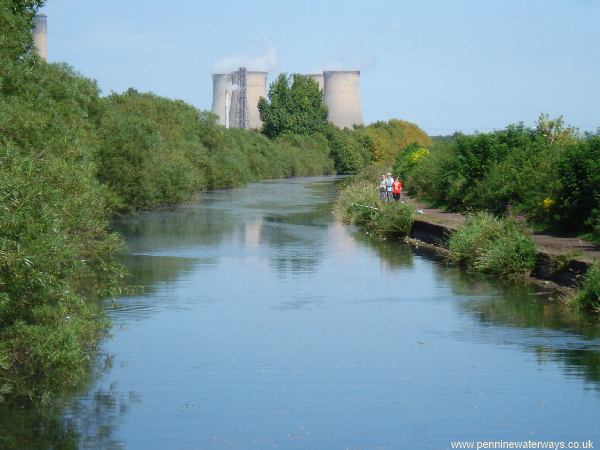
{"points": [[588, 295], [55, 247], [357, 203], [392, 219], [408, 159], [386, 139], [579, 175], [488, 244], [345, 150], [548, 174]]}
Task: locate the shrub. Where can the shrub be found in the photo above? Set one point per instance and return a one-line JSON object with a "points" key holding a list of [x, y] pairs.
{"points": [[392, 219], [579, 173], [588, 295], [345, 150], [357, 203], [408, 159], [386, 139], [488, 244], [55, 247]]}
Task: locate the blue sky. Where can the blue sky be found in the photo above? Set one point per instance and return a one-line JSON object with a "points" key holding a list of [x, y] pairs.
{"points": [[446, 65]]}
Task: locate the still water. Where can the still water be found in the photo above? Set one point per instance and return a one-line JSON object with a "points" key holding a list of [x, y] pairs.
{"points": [[264, 323]]}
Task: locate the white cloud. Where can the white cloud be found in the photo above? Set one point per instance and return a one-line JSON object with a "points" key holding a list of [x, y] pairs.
{"points": [[352, 61], [264, 61]]}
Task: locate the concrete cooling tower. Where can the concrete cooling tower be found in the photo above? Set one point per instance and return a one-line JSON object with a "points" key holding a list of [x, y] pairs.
{"points": [[342, 97], [221, 82], [234, 115], [319, 78], [40, 35], [255, 88]]}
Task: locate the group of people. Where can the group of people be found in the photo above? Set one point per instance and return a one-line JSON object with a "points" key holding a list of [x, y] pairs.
{"points": [[390, 188]]}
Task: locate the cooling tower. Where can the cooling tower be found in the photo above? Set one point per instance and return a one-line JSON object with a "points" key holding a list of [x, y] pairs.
{"points": [[40, 35], [234, 117], [342, 97], [221, 82], [319, 78], [256, 87]]}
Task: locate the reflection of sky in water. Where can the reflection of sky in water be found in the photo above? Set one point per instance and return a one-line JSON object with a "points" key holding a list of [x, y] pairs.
{"points": [[266, 324]]}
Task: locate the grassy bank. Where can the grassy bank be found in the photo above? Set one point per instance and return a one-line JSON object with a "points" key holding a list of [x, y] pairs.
{"points": [[359, 204], [483, 243], [486, 243]]}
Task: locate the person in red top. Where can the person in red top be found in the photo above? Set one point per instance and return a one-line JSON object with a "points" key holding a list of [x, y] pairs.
{"points": [[397, 189]]}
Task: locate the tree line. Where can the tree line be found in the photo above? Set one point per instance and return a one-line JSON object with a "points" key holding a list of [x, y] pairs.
{"points": [[70, 159]]}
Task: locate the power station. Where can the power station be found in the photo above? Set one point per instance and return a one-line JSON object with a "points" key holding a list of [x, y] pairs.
{"points": [[236, 95]]}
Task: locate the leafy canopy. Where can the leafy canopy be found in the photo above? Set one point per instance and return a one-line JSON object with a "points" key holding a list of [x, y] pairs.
{"points": [[295, 106]]}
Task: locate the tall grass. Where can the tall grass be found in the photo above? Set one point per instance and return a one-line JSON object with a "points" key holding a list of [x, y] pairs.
{"points": [[488, 244], [359, 204]]}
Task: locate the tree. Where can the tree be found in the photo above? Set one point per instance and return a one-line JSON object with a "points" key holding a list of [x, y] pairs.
{"points": [[295, 106], [16, 22], [554, 130]]}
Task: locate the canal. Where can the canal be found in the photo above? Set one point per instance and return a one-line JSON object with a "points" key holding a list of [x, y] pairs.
{"points": [[265, 323]]}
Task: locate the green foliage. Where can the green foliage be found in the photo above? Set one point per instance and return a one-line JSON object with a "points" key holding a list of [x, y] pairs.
{"points": [[392, 219], [16, 22], [294, 106], [346, 150], [357, 203], [408, 159], [554, 131], [588, 294], [55, 247], [579, 177], [386, 139], [488, 244], [148, 149], [548, 174]]}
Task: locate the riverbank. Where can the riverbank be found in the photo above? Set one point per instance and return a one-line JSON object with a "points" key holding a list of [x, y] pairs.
{"points": [[333, 328], [480, 242], [560, 260]]}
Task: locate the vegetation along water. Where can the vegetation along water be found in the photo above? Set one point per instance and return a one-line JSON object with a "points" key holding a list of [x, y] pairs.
{"points": [[72, 162]]}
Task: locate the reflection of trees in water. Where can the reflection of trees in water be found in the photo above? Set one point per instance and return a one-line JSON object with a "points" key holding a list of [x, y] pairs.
{"points": [[297, 239], [394, 254], [584, 363], [524, 305], [146, 271], [520, 304], [22, 427], [67, 424], [182, 227], [97, 418]]}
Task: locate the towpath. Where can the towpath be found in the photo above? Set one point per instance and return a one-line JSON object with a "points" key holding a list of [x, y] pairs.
{"points": [[573, 248]]}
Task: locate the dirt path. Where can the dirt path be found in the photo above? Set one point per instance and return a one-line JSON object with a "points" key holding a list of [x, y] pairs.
{"points": [[572, 248]]}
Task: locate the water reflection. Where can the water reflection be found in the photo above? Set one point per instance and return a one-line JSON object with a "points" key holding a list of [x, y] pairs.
{"points": [[70, 422], [394, 255], [264, 323], [556, 333]]}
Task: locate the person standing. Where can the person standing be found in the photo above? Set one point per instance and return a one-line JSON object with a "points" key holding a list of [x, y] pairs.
{"points": [[382, 188], [397, 189], [388, 182]]}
